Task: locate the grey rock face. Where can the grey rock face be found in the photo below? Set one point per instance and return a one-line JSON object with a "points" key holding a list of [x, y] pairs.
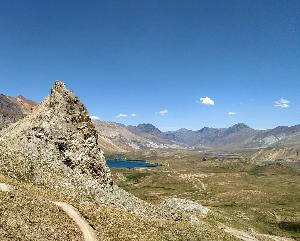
{"points": [[55, 145]]}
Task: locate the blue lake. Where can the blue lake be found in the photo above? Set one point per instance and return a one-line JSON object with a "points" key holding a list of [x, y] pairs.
{"points": [[129, 164]]}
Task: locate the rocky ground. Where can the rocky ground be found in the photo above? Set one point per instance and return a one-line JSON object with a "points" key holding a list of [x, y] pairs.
{"points": [[28, 213]]}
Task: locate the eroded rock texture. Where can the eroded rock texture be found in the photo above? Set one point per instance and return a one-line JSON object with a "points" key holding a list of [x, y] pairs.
{"points": [[55, 145]]}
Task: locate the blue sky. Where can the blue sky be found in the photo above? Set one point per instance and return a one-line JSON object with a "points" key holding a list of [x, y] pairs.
{"points": [[156, 59]]}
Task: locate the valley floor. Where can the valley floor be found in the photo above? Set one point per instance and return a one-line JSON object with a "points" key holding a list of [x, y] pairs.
{"points": [[28, 212], [247, 202], [264, 199]]}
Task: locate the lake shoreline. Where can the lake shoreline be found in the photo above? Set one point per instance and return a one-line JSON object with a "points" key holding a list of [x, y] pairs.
{"points": [[130, 164]]}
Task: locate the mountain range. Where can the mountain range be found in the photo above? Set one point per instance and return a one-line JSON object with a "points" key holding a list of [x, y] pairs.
{"points": [[235, 137], [116, 137]]}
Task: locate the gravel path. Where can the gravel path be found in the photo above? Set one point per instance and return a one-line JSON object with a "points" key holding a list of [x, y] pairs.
{"points": [[253, 236], [87, 231]]}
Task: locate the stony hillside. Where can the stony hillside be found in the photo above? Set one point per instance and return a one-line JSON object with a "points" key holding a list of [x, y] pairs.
{"points": [[12, 109], [29, 213], [108, 146], [294, 141], [56, 145], [133, 138], [57, 137], [279, 136], [277, 153]]}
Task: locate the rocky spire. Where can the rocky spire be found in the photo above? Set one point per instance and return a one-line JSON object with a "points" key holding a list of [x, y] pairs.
{"points": [[55, 145]]}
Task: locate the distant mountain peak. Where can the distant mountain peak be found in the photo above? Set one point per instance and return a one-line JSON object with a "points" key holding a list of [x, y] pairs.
{"points": [[148, 128], [146, 125], [206, 129], [240, 126], [183, 130]]}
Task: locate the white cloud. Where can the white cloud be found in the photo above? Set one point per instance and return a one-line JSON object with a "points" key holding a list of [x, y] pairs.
{"points": [[207, 101], [126, 115], [231, 113], [282, 103], [95, 117], [162, 112], [122, 115]]}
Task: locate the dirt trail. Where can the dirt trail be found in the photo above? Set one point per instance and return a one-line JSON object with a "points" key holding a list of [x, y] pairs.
{"points": [[88, 232], [239, 234], [253, 236], [5, 187]]}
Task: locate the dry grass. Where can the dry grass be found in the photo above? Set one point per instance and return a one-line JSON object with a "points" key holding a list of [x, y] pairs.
{"points": [[28, 214], [241, 194]]}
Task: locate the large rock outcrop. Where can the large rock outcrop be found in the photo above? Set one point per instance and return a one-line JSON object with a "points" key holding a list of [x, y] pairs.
{"points": [[55, 145]]}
